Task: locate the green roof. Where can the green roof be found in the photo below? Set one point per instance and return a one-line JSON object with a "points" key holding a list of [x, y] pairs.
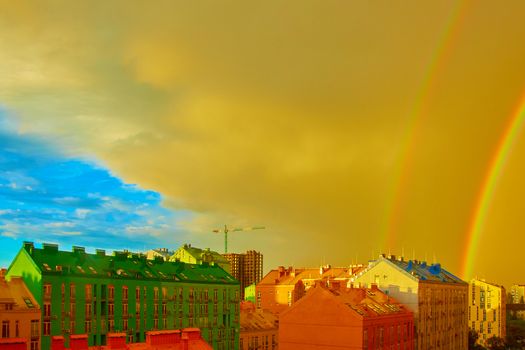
{"points": [[52, 261]]}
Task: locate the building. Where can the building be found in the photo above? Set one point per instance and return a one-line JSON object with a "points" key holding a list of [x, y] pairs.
{"points": [[96, 294], [163, 253], [487, 310], [346, 318], [282, 287], [249, 293], [437, 298], [19, 315], [185, 339], [247, 268], [194, 255], [517, 292], [259, 328]]}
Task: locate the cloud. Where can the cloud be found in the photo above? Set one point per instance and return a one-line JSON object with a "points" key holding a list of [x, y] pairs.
{"points": [[292, 115]]}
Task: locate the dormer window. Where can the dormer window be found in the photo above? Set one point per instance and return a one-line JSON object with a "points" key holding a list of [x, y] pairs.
{"points": [[58, 268]]}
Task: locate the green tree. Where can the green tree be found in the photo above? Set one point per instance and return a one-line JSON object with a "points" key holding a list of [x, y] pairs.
{"points": [[496, 343], [473, 337]]}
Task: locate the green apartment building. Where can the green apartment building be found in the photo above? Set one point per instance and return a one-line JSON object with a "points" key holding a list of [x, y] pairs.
{"points": [[94, 294]]}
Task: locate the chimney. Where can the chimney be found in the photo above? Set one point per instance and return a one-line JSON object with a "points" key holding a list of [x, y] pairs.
{"points": [[78, 342], [116, 341], [374, 287], [57, 342], [168, 337]]}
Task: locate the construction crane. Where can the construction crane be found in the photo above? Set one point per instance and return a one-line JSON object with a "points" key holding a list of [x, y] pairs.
{"points": [[225, 230]]}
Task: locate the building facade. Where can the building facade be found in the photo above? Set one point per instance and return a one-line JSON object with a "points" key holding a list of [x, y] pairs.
{"points": [[282, 287], [19, 314], [247, 268], [259, 328], [438, 299], [194, 255], [96, 294], [487, 310], [346, 318]]}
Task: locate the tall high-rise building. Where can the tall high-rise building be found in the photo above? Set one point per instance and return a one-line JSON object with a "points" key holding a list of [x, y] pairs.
{"points": [[487, 305], [437, 298], [247, 268], [98, 294]]}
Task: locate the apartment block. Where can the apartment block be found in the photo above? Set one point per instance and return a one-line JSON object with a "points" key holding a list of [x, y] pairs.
{"points": [[259, 328], [487, 310], [438, 299], [247, 267], [97, 294]]}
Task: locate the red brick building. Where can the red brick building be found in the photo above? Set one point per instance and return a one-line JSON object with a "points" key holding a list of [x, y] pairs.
{"points": [[346, 318], [186, 339]]}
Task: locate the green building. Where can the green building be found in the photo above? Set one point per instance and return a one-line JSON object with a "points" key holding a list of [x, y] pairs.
{"points": [[249, 293], [93, 294]]}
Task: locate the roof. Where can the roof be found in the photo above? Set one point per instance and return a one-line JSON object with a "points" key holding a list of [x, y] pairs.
{"points": [[253, 319], [478, 280], [198, 253], [419, 270], [123, 265], [362, 302], [15, 292], [291, 276]]}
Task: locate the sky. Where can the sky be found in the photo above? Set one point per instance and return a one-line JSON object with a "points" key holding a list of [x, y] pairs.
{"points": [[347, 128]]}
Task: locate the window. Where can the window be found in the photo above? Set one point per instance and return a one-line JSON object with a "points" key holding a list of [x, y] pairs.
{"points": [[164, 293], [137, 293], [47, 309], [72, 291], [35, 332], [17, 329], [47, 290], [87, 326], [155, 293], [111, 292], [88, 310], [124, 293], [88, 291], [34, 344], [47, 327], [5, 329], [365, 339], [29, 303], [72, 327], [124, 324], [111, 309], [72, 309], [125, 310]]}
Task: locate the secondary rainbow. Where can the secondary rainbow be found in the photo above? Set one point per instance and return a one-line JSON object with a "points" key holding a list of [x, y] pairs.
{"points": [[443, 51], [490, 183]]}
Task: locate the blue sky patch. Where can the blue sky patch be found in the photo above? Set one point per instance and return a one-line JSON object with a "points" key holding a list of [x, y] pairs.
{"points": [[46, 196]]}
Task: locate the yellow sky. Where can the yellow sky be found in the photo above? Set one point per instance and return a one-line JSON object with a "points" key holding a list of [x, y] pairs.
{"points": [[294, 115]]}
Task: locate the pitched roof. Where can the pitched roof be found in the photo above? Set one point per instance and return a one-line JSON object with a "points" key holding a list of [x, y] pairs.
{"points": [[257, 319], [122, 265], [198, 253], [362, 302], [15, 292], [291, 276], [419, 270]]}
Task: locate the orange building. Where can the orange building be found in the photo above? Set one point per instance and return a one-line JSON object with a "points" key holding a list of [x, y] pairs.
{"points": [[19, 314], [346, 318], [282, 287], [259, 328]]}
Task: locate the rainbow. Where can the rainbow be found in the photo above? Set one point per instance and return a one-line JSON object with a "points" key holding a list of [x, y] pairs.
{"points": [[441, 55], [490, 183]]}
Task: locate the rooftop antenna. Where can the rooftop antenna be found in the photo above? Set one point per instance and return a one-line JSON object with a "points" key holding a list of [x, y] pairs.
{"points": [[226, 230], [403, 252]]}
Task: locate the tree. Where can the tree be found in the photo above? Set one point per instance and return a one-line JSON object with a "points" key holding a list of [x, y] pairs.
{"points": [[496, 343], [473, 337]]}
